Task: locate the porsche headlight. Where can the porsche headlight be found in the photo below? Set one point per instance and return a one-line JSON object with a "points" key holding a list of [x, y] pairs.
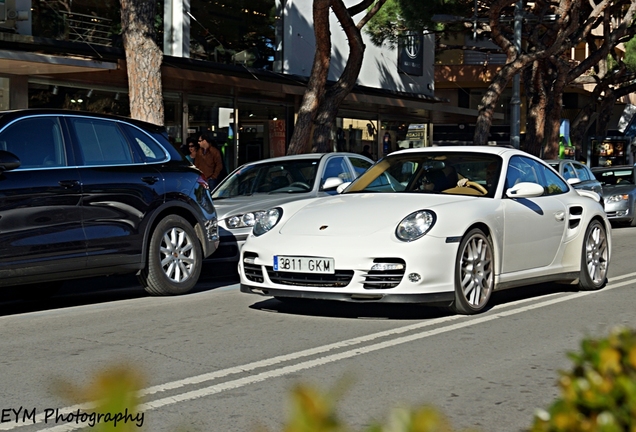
{"points": [[617, 198], [415, 225], [267, 221], [243, 220]]}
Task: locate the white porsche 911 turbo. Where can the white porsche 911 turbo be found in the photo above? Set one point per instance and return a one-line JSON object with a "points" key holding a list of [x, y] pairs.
{"points": [[439, 225]]}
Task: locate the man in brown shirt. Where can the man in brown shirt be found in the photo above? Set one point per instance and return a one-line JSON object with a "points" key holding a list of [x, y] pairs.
{"points": [[208, 159]]}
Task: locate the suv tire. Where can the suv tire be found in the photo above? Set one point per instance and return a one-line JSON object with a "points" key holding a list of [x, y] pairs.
{"points": [[175, 258]]}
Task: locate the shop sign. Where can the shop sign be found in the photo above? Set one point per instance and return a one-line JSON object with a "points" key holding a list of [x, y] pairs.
{"points": [[410, 54], [276, 137]]}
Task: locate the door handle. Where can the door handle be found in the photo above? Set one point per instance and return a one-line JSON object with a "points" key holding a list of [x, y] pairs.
{"points": [[559, 216], [150, 180], [68, 184]]}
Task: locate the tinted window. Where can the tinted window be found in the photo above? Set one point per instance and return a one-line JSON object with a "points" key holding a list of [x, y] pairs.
{"points": [[582, 171], [337, 167], [359, 165], [37, 142], [148, 149], [522, 169], [297, 175], [101, 142], [568, 171]]}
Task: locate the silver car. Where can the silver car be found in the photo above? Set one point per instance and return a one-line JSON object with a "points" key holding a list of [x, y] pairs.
{"points": [[242, 197], [619, 192], [578, 175]]}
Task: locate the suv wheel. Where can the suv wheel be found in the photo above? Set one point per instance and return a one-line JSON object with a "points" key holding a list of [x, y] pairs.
{"points": [[174, 258]]}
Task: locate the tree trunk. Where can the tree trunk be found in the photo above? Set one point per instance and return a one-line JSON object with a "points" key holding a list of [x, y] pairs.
{"points": [[554, 110], [143, 60], [536, 98], [328, 108], [489, 103], [301, 138]]}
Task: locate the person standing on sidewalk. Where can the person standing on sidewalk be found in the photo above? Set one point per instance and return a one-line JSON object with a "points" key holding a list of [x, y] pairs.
{"points": [[208, 159]]}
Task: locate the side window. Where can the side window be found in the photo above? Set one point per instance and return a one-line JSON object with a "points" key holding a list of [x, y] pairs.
{"points": [[551, 182], [582, 172], [568, 171], [522, 169], [336, 167], [37, 142], [359, 165], [148, 149], [101, 142]]}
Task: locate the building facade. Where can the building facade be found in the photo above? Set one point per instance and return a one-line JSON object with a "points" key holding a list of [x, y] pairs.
{"points": [[237, 67]]}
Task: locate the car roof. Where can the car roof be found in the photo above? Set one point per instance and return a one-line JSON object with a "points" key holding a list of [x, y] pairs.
{"points": [[18, 113], [497, 150], [304, 156]]}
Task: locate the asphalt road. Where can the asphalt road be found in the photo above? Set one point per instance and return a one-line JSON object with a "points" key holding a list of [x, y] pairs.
{"points": [[219, 360]]}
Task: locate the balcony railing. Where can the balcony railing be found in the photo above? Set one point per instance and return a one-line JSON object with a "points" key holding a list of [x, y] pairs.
{"points": [[88, 28]]}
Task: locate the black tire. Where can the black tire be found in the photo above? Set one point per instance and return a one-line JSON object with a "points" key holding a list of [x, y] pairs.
{"points": [[474, 273], [174, 258], [594, 258]]}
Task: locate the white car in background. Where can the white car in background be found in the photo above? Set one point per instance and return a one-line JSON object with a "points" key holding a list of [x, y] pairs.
{"points": [[441, 225], [243, 196]]}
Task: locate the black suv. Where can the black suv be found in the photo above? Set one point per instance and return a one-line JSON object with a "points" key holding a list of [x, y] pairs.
{"points": [[85, 194]]}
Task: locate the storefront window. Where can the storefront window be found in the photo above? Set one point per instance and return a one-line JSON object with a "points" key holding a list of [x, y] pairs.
{"points": [[262, 132], [79, 99], [234, 32], [216, 115]]}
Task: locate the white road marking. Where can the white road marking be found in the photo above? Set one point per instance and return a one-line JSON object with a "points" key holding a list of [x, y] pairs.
{"points": [[240, 382]]}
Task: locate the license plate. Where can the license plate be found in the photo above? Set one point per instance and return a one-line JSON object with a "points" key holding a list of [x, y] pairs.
{"points": [[297, 264]]}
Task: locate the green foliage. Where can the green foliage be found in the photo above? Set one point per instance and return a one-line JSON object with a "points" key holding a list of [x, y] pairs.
{"points": [[387, 24], [599, 393], [396, 16], [630, 55], [316, 411], [115, 390]]}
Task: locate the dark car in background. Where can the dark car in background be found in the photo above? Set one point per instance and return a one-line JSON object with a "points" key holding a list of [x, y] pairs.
{"points": [[619, 193], [253, 188], [83, 194], [577, 174]]}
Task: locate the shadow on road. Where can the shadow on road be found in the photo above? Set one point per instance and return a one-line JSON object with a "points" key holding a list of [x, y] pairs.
{"points": [[393, 311], [79, 292]]}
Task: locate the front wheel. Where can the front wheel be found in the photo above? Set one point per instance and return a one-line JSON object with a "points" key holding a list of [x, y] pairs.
{"points": [[594, 258], [474, 273], [174, 258]]}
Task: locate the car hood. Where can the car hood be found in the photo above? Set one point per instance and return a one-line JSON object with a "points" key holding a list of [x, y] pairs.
{"points": [[361, 214], [244, 204], [618, 189]]}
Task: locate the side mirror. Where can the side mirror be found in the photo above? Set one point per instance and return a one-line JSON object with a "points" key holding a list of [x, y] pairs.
{"points": [[342, 187], [8, 161], [573, 180], [332, 183], [525, 190]]}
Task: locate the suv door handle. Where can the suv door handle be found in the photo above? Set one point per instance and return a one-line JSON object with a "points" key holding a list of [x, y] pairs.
{"points": [[68, 184], [150, 180]]}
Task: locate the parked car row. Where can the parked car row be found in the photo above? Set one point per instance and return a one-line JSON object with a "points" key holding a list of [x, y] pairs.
{"points": [[86, 194]]}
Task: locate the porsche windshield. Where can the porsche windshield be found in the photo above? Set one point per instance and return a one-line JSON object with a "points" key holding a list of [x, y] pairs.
{"points": [[292, 176], [440, 172]]}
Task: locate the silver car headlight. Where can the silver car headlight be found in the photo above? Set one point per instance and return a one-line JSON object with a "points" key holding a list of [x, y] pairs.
{"points": [[243, 220], [268, 221], [415, 225], [617, 198]]}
